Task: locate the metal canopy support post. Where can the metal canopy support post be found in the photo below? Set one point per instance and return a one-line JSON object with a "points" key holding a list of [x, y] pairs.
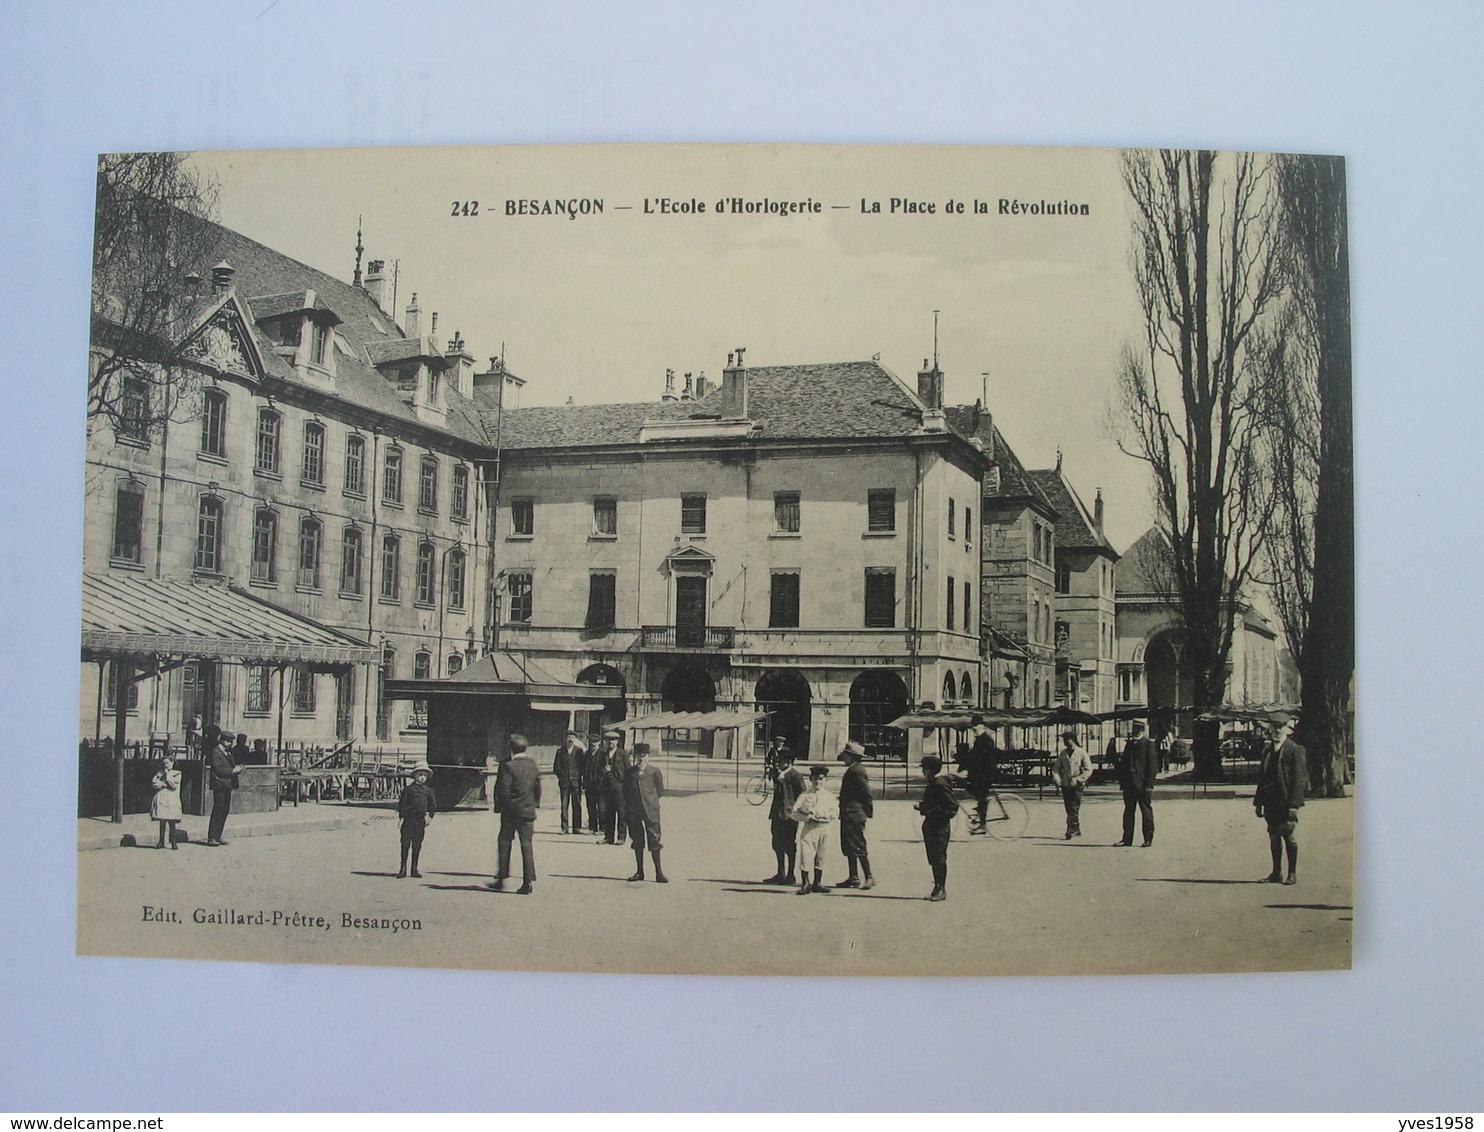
{"points": [[121, 674]]}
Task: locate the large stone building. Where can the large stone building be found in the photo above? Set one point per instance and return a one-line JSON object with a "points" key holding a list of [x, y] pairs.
{"points": [[324, 470], [801, 539]]}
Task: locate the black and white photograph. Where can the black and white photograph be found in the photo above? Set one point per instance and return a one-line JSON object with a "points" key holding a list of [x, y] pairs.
{"points": [[567, 558]]}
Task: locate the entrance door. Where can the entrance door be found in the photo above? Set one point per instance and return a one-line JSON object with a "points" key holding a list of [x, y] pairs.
{"points": [[344, 702], [690, 611], [198, 692]]}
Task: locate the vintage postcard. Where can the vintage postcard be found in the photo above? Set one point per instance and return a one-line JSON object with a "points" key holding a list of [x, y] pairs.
{"points": [[773, 560]]}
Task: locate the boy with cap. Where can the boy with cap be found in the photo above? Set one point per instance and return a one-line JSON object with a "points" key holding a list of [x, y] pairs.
{"points": [[814, 811], [938, 806], [642, 786], [416, 806], [855, 810], [1070, 772], [1281, 784], [787, 787]]}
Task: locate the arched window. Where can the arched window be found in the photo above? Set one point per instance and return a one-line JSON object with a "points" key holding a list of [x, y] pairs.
{"points": [[427, 485], [264, 546], [314, 453], [458, 505], [209, 534], [350, 561], [426, 573], [966, 689], [455, 579], [455, 663], [877, 698], [214, 423], [950, 690], [391, 477], [270, 425], [355, 464], [391, 567], [310, 531]]}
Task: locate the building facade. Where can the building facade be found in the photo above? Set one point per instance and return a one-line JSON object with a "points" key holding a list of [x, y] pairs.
{"points": [[320, 458], [800, 539]]}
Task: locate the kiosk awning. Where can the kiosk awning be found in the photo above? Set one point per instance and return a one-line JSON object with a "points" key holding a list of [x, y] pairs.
{"points": [[123, 616], [507, 674], [692, 720]]}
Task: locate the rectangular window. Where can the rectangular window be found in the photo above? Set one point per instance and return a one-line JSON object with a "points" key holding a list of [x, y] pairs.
{"points": [[952, 619], [692, 514], [605, 516], [350, 561], [1064, 579], [209, 535], [968, 607], [391, 568], [214, 423], [259, 690], [266, 458], [881, 510], [427, 485], [303, 691], [110, 691], [952, 514], [881, 599], [309, 547], [783, 601], [968, 526], [786, 512], [520, 597], [522, 517], [426, 573], [455, 579], [391, 477], [355, 465], [128, 522], [319, 344], [314, 453], [458, 504], [264, 547], [602, 600]]}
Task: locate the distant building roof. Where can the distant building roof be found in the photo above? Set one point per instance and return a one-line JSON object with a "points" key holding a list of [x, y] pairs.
{"points": [[832, 400], [1143, 564], [1076, 528], [971, 422]]}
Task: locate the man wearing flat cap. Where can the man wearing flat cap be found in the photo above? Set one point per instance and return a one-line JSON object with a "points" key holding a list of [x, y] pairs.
{"points": [[1136, 773], [1070, 772], [1281, 785], [642, 788], [595, 778], [855, 811], [787, 787]]}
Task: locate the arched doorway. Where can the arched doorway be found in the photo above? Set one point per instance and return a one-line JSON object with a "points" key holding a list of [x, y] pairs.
{"points": [[876, 698], [1167, 679], [689, 689], [966, 690], [606, 676], [950, 690], [785, 693]]}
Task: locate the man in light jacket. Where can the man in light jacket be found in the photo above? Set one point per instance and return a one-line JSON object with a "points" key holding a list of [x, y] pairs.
{"points": [[1072, 770]]}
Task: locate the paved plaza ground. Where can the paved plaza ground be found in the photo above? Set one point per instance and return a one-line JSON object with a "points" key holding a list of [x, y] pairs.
{"points": [[1035, 905]]}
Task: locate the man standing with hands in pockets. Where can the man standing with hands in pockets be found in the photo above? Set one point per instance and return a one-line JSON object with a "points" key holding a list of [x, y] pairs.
{"points": [[1072, 770]]}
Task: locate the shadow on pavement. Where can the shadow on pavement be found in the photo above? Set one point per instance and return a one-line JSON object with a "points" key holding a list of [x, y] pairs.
{"points": [[585, 876], [1198, 880], [485, 888], [1317, 907]]}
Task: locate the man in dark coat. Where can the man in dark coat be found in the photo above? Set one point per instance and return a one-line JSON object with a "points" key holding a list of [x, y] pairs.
{"points": [[615, 807], [1137, 770], [595, 779], [642, 787], [1281, 785], [224, 774], [855, 810], [416, 806], [569, 766], [787, 787], [938, 806], [980, 771], [517, 799]]}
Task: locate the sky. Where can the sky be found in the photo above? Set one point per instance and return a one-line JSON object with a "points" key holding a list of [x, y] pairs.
{"points": [[1033, 309]]}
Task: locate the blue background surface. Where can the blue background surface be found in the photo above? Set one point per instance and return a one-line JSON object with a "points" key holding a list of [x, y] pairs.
{"points": [[1397, 92]]}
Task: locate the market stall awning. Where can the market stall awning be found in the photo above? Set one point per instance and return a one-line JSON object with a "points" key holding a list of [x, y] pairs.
{"points": [[692, 720], [128, 616], [990, 717], [1230, 713], [509, 674]]}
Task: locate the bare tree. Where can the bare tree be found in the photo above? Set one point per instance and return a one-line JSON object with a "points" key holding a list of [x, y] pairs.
{"points": [[1314, 569], [1207, 271], [152, 247]]}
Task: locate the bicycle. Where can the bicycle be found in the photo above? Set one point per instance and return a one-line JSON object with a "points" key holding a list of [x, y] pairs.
{"points": [[1011, 821], [758, 789]]}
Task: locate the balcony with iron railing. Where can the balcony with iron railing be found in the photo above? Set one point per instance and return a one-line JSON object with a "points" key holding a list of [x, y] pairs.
{"points": [[688, 638]]}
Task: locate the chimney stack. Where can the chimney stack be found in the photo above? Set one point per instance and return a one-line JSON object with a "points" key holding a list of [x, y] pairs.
{"points": [[1097, 511], [376, 282], [700, 385], [687, 392], [413, 323], [221, 277], [930, 385], [669, 393], [734, 387]]}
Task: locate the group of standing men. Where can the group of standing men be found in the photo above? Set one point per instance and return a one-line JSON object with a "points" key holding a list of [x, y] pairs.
{"points": [[598, 776]]}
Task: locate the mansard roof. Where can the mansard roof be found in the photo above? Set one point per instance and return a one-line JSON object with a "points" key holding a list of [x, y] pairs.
{"points": [[1075, 528], [823, 401]]}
